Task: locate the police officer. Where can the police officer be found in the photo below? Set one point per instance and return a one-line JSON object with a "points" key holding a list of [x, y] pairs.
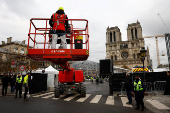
{"points": [[97, 81], [138, 89], [92, 80], [18, 85], [26, 85], [88, 77]]}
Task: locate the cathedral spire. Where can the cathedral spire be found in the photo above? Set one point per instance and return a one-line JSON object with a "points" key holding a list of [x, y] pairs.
{"points": [[107, 28]]}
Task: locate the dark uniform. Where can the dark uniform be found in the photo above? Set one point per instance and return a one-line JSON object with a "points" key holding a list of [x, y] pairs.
{"points": [[12, 83], [139, 89], [97, 80], [167, 87], [128, 86], [26, 83], [5, 81], [18, 86]]}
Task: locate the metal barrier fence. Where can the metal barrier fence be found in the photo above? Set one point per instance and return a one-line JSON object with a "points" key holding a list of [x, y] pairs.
{"points": [[152, 88], [123, 90], [148, 86], [159, 86]]}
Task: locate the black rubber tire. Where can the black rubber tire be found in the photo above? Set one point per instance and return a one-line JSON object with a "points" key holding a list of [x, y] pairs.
{"points": [[83, 91], [61, 89], [57, 92]]}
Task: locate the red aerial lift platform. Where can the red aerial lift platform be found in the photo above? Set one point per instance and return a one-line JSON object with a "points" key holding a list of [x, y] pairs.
{"points": [[71, 81]]}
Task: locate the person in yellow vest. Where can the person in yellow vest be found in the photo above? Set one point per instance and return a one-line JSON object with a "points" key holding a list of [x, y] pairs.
{"points": [[87, 77], [18, 85], [97, 81], [92, 80], [139, 90], [26, 83]]}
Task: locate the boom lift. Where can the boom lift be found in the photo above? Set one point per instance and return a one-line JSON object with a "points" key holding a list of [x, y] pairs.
{"points": [[70, 80]]}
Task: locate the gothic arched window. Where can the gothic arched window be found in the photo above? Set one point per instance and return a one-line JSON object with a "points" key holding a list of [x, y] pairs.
{"points": [[134, 56], [111, 57], [136, 33], [138, 56], [132, 34], [115, 57], [114, 35], [110, 36]]}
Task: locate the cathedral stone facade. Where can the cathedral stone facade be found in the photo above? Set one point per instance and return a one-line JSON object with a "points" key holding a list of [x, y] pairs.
{"points": [[125, 54]]}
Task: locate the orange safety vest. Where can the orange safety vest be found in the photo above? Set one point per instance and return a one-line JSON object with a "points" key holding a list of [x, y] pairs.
{"points": [[59, 24]]}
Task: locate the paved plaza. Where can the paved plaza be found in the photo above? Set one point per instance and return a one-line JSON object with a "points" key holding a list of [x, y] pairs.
{"points": [[97, 100]]}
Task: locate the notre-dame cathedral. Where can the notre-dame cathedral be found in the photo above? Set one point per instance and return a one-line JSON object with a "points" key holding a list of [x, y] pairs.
{"points": [[125, 54]]}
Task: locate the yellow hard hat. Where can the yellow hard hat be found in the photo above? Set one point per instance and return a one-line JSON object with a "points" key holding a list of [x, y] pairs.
{"points": [[61, 8]]}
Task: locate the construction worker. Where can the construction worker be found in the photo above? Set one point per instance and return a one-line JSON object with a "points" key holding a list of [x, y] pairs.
{"points": [[59, 28], [84, 78], [26, 83], [18, 85], [5, 81], [139, 90]]}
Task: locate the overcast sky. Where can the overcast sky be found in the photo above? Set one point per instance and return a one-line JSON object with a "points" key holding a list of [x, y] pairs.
{"points": [[16, 14]]}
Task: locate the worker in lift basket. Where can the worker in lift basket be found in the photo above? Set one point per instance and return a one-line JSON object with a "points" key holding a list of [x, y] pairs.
{"points": [[59, 28]]}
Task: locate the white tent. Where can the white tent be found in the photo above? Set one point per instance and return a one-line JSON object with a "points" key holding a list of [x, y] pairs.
{"points": [[51, 74], [159, 69]]}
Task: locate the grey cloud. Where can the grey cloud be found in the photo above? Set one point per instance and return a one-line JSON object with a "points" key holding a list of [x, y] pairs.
{"points": [[23, 8]]}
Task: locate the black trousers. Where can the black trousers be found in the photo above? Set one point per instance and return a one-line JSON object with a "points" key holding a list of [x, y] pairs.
{"points": [[26, 91], [4, 88], [139, 95], [129, 95], [167, 87], [20, 91]]}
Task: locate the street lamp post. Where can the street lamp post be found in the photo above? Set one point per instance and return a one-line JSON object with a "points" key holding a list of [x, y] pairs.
{"points": [[142, 55]]}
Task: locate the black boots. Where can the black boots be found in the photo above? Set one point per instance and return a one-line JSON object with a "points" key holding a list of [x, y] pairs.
{"points": [[137, 108], [26, 99], [19, 97]]}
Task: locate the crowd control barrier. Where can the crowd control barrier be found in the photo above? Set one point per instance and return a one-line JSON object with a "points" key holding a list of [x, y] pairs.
{"points": [[159, 86], [151, 88], [123, 90], [148, 86]]}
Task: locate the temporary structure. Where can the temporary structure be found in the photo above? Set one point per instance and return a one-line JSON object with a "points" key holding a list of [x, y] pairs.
{"points": [[52, 74], [159, 69]]}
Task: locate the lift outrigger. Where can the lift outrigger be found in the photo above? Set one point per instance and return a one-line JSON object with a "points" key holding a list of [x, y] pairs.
{"points": [[70, 80]]}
